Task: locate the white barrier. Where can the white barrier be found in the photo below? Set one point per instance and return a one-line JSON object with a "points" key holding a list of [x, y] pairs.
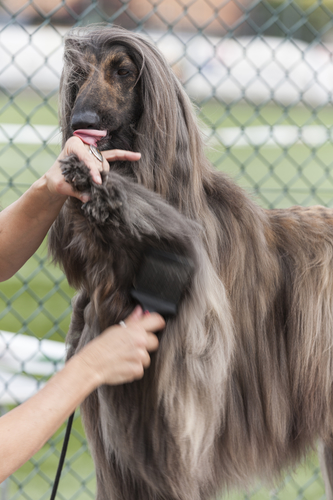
{"points": [[29, 134], [265, 135], [34, 357], [259, 69]]}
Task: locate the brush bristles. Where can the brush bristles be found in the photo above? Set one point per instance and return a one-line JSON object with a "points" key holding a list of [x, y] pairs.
{"points": [[164, 275]]}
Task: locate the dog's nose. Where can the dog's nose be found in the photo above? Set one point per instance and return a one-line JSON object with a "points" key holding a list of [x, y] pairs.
{"points": [[85, 119]]}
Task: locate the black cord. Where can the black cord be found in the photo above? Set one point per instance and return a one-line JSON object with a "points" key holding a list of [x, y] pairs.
{"points": [[62, 456]]}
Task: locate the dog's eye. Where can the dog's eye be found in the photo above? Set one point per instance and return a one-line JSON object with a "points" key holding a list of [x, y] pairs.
{"points": [[123, 72]]}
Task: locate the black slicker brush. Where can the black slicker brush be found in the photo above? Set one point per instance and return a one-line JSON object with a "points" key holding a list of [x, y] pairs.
{"points": [[161, 281]]}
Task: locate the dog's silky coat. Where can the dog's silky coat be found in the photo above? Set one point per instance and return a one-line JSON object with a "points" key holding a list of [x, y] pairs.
{"points": [[241, 385]]}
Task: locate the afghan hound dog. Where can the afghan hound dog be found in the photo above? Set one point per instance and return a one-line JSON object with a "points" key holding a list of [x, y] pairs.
{"points": [[241, 385]]}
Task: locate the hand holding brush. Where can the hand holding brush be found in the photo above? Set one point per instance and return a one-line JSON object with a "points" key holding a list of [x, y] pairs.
{"points": [[118, 355]]}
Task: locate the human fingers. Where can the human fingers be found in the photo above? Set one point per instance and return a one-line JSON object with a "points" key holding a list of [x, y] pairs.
{"points": [[152, 322], [58, 186], [129, 352], [135, 314], [82, 150], [140, 343], [139, 336], [152, 342], [149, 321], [138, 321], [119, 154], [145, 359]]}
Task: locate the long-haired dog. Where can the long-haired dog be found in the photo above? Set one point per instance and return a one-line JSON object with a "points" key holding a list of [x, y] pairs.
{"points": [[241, 385]]}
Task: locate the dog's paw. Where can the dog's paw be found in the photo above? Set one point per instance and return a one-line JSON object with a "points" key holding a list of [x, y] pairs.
{"points": [[108, 201], [76, 173], [106, 205]]}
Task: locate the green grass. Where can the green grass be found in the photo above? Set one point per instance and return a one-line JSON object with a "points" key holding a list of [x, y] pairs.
{"points": [[37, 300], [281, 177], [29, 106], [276, 176], [35, 479], [217, 114]]}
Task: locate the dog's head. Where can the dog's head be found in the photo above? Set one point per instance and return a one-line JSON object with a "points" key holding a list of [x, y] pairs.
{"points": [[107, 95], [117, 81], [110, 76]]}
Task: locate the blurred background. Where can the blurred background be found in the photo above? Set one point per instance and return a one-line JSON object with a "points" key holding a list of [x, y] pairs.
{"points": [[260, 74]]}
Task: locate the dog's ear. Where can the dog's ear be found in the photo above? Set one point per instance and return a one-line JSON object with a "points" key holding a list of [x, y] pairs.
{"points": [[74, 72]]}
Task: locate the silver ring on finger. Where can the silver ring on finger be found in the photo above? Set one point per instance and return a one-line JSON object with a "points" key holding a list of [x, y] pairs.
{"points": [[96, 152]]}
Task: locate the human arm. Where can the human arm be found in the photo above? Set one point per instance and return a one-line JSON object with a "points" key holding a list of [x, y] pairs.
{"points": [[24, 224], [117, 356]]}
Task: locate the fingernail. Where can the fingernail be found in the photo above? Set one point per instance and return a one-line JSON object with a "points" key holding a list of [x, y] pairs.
{"points": [[137, 312], [84, 198], [97, 179]]}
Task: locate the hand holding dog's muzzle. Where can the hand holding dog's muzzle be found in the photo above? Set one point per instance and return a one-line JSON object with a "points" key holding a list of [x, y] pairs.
{"points": [[94, 159]]}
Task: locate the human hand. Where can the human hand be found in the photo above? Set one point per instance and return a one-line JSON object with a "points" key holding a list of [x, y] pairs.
{"points": [[55, 180], [120, 354]]}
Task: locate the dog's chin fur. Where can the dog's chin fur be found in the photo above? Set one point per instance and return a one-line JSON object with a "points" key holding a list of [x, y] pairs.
{"points": [[241, 385]]}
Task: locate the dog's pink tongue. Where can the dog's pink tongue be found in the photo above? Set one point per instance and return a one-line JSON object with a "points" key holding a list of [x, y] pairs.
{"points": [[90, 136]]}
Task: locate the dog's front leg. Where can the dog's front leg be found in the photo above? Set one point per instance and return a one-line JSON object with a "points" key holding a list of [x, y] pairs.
{"points": [[129, 210]]}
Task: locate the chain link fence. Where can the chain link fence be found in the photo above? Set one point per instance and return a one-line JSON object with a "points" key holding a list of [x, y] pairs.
{"points": [[261, 76]]}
